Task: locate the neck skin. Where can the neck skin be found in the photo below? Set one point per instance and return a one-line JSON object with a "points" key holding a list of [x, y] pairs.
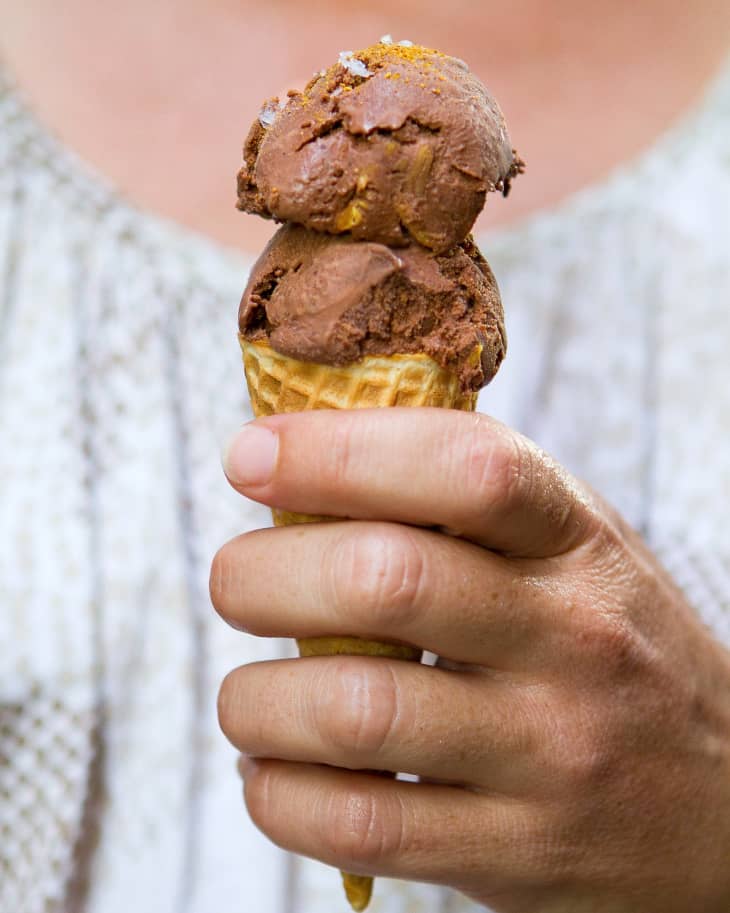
{"points": [[163, 108]]}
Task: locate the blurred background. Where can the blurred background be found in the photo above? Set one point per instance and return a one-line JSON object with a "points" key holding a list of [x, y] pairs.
{"points": [[158, 96]]}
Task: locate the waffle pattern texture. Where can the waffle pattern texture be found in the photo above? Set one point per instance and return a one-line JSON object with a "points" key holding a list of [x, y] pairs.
{"points": [[277, 383]]}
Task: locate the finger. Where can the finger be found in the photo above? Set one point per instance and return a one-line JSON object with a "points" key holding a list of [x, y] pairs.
{"points": [[392, 582], [433, 467], [371, 825], [378, 714]]}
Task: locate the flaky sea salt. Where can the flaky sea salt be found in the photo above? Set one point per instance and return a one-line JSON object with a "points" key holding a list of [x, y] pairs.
{"points": [[405, 43], [353, 65], [386, 39], [267, 115]]}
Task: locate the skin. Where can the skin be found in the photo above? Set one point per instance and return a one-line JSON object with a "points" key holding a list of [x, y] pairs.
{"points": [[573, 741], [168, 130]]}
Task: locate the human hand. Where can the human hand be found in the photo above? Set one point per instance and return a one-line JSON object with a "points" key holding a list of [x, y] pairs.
{"points": [[573, 742]]}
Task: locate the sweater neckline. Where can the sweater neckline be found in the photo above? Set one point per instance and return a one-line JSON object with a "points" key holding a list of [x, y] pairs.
{"points": [[85, 186]]}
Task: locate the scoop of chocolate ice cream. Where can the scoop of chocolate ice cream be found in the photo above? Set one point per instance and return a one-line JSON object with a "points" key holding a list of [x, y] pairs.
{"points": [[391, 144], [332, 300]]}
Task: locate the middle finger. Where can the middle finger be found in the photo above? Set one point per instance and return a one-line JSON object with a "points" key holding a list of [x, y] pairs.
{"points": [[385, 581]]}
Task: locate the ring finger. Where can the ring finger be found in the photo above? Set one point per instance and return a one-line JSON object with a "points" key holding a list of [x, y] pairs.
{"points": [[363, 713]]}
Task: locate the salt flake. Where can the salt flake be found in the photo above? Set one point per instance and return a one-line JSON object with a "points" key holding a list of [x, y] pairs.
{"points": [[386, 39], [405, 43], [353, 65], [267, 115]]}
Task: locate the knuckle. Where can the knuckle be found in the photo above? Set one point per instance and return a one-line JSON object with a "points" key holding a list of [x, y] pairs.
{"points": [[516, 474], [568, 505], [365, 829], [586, 763], [499, 468], [380, 575], [581, 752], [618, 645], [571, 517], [340, 452], [604, 548], [361, 712], [608, 629], [611, 645]]}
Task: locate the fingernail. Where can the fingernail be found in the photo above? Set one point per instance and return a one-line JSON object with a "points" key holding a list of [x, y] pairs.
{"points": [[249, 458], [246, 766]]}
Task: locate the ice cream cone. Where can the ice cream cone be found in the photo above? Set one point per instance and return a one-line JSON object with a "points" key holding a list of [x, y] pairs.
{"points": [[277, 383]]}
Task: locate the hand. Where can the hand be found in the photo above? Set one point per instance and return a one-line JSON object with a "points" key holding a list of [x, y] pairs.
{"points": [[573, 742]]}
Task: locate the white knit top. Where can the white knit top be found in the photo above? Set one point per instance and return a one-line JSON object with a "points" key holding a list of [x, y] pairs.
{"points": [[119, 379]]}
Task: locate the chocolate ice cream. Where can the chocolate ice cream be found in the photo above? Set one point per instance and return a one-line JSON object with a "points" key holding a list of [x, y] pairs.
{"points": [[393, 144], [333, 300]]}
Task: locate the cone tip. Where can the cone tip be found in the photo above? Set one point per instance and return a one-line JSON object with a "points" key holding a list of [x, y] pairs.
{"points": [[358, 890]]}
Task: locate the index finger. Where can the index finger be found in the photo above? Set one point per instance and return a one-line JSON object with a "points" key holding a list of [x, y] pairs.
{"points": [[463, 472]]}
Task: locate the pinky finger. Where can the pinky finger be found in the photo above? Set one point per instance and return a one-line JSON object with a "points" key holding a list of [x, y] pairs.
{"points": [[371, 825]]}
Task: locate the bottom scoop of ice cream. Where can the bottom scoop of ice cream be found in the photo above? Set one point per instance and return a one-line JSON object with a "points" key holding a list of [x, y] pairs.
{"points": [[333, 300]]}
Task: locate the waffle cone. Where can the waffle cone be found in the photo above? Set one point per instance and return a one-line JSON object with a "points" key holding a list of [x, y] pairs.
{"points": [[277, 383]]}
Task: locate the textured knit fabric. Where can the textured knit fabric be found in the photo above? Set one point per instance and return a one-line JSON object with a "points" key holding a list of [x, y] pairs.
{"points": [[119, 379]]}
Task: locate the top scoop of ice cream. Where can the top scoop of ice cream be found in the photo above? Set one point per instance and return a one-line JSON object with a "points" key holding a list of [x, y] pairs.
{"points": [[333, 300], [391, 144]]}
